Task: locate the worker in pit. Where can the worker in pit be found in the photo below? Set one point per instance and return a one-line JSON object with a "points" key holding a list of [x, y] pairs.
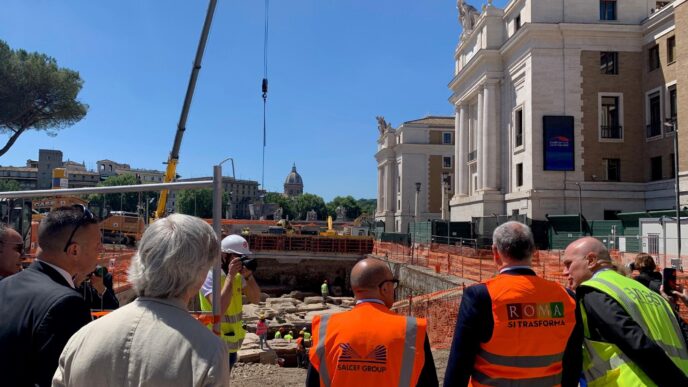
{"points": [[370, 345], [631, 336], [236, 279], [515, 328]]}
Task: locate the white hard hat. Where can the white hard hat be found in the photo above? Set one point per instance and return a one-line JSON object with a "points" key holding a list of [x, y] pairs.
{"points": [[235, 244]]}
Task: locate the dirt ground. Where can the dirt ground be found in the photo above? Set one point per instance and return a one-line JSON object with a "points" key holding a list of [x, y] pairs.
{"points": [[261, 375]]}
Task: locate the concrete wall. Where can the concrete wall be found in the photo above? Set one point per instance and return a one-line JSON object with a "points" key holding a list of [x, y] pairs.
{"points": [[285, 275]]}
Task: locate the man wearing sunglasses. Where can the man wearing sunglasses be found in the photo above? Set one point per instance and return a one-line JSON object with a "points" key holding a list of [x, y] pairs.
{"points": [[371, 345], [11, 251], [39, 306]]}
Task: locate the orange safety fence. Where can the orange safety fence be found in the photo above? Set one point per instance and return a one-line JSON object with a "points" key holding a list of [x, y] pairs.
{"points": [[477, 264], [440, 309], [309, 243]]}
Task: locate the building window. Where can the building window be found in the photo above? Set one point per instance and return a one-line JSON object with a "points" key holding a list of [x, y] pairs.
{"points": [[607, 9], [671, 49], [609, 118], [654, 128], [653, 57], [447, 138], [672, 107], [446, 162], [656, 168], [519, 174], [609, 62], [447, 181], [398, 184], [613, 169], [518, 127], [517, 23]]}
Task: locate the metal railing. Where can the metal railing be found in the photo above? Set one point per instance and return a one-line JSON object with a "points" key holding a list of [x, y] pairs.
{"points": [[653, 129], [472, 155], [612, 131]]}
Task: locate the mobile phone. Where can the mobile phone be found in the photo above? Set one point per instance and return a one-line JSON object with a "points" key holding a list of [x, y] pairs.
{"points": [[669, 280]]}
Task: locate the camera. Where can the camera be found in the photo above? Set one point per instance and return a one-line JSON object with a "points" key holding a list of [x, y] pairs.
{"points": [[100, 271], [249, 263]]}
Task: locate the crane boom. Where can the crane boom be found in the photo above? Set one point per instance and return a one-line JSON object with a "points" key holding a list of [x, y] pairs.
{"points": [[173, 160]]}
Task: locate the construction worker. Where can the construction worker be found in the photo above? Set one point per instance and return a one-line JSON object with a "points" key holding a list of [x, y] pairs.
{"points": [[325, 291], [306, 337], [370, 345], [631, 335], [289, 336], [236, 279], [514, 329], [279, 333]]}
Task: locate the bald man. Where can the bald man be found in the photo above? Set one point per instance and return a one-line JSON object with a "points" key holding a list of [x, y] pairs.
{"points": [[11, 251], [631, 334], [371, 345]]}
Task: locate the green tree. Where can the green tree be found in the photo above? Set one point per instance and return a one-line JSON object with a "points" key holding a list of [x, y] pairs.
{"points": [[198, 202], [306, 202], [117, 201], [36, 94], [368, 206], [9, 185], [286, 203], [346, 202]]}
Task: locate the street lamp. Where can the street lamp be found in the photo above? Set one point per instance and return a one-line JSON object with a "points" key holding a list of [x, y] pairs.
{"points": [[580, 208], [417, 209], [672, 124], [217, 226]]}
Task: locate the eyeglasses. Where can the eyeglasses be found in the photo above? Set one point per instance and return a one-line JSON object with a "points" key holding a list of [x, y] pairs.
{"points": [[18, 247], [394, 281], [86, 217]]}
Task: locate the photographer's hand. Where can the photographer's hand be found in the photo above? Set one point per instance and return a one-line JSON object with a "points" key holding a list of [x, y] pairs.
{"points": [[98, 285], [682, 295], [234, 267]]}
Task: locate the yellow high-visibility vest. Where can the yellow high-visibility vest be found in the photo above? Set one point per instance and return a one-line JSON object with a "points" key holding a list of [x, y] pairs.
{"points": [[604, 363], [231, 325]]}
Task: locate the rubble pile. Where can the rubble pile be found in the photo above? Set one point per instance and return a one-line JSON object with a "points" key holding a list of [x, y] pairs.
{"points": [[292, 312]]}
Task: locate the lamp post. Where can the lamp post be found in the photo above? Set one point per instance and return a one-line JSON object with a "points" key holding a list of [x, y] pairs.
{"points": [[580, 208], [217, 226], [417, 209], [672, 125]]}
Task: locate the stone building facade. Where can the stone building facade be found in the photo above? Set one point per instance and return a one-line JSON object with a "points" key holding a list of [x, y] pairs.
{"points": [[603, 72], [417, 152]]}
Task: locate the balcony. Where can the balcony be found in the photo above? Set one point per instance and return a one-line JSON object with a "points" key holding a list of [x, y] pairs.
{"points": [[653, 129], [613, 131], [472, 155]]}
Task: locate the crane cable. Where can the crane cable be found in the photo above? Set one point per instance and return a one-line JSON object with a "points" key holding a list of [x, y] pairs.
{"points": [[265, 88]]}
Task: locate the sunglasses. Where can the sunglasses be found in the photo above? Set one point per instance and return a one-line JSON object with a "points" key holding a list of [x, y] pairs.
{"points": [[18, 247], [394, 281], [87, 217]]}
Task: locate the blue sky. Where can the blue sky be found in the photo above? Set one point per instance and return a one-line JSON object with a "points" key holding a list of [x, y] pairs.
{"points": [[333, 66]]}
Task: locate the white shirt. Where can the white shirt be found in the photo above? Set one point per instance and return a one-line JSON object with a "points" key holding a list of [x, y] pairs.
{"points": [[62, 272], [207, 287]]}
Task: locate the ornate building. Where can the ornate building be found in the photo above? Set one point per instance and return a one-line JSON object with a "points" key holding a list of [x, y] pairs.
{"points": [[293, 184], [567, 107], [415, 165]]}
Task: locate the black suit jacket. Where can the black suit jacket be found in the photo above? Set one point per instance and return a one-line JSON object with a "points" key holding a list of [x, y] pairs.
{"points": [[39, 312]]}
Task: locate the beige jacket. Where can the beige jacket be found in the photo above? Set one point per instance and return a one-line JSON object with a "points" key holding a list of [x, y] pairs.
{"points": [[150, 342]]}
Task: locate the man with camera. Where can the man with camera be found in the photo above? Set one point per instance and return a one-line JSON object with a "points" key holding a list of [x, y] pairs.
{"points": [[97, 290], [236, 279]]}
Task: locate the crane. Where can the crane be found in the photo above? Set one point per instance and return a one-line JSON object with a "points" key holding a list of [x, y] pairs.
{"points": [[173, 159]]}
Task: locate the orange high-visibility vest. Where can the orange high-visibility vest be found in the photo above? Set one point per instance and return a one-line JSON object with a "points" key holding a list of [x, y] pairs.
{"points": [[368, 346], [533, 319]]}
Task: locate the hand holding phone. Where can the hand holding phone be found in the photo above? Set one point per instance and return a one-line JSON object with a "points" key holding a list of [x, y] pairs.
{"points": [[669, 280]]}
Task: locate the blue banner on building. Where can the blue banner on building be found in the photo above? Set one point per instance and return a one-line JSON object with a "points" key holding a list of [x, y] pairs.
{"points": [[558, 143]]}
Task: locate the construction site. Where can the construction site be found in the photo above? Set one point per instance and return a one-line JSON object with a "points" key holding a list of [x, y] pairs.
{"points": [[433, 271]]}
